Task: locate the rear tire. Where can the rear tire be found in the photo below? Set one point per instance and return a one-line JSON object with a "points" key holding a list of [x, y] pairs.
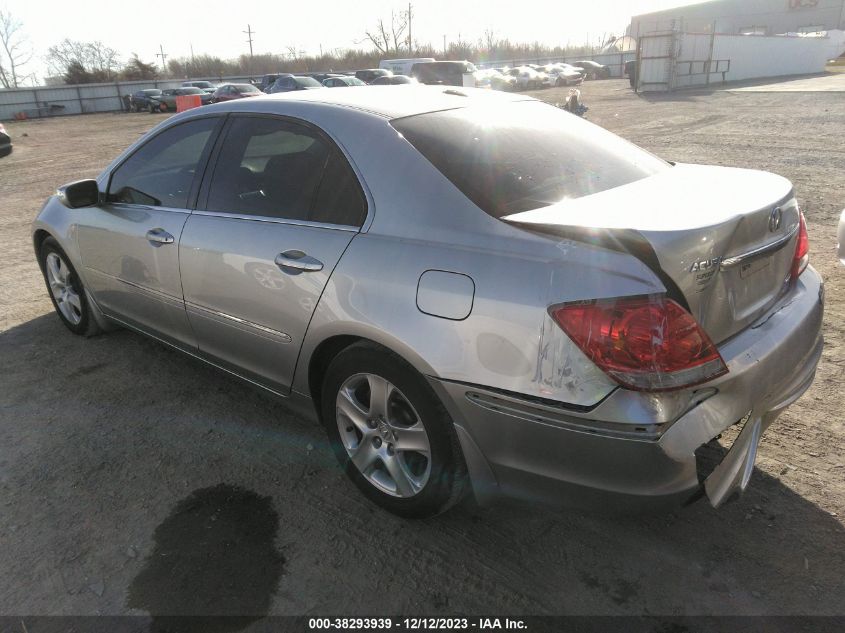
{"points": [[400, 449], [66, 290]]}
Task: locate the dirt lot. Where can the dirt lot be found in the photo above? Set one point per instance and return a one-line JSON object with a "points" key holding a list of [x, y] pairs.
{"points": [[134, 480]]}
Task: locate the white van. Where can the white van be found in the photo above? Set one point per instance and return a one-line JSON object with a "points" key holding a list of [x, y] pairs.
{"points": [[402, 66]]}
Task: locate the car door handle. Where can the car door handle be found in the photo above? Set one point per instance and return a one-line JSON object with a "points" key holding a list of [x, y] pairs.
{"points": [[297, 260], [159, 236]]}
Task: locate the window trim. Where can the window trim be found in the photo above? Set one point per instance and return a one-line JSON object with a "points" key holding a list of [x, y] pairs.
{"points": [[201, 202], [202, 164]]}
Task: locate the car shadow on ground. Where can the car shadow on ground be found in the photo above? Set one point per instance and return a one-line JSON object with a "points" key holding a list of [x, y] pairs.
{"points": [[238, 508]]}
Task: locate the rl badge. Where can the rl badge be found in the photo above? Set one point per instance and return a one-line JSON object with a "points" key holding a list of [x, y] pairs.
{"points": [[704, 271]]}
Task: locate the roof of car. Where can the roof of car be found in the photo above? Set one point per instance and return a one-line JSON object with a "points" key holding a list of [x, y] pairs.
{"points": [[390, 102]]}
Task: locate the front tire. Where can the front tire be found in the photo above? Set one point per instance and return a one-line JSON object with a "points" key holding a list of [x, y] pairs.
{"points": [[390, 432], [66, 290]]}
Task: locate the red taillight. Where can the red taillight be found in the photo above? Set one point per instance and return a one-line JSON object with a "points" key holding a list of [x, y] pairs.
{"points": [[802, 249], [644, 343]]}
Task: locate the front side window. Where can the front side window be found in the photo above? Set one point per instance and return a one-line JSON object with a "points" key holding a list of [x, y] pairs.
{"points": [[275, 168], [525, 155], [161, 171]]}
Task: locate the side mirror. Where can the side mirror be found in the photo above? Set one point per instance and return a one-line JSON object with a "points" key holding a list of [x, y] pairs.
{"points": [[82, 193]]}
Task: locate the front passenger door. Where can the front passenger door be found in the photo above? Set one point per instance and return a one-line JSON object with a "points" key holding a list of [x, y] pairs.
{"points": [[129, 244]]}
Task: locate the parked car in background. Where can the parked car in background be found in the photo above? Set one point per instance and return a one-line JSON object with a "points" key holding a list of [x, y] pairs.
{"points": [[289, 83], [494, 78], [203, 85], [166, 101], [402, 66], [544, 310], [321, 77], [5, 142], [594, 70], [368, 75], [266, 81], [527, 78], [394, 80], [442, 73], [562, 74], [140, 100], [342, 81], [229, 92]]}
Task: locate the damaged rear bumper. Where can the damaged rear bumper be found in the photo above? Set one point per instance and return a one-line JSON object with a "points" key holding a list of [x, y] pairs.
{"points": [[636, 449]]}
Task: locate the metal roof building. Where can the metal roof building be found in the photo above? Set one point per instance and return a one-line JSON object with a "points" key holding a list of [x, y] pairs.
{"points": [[752, 17]]}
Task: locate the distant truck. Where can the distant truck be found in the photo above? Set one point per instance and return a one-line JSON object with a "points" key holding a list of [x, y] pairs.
{"points": [[402, 66], [452, 73]]}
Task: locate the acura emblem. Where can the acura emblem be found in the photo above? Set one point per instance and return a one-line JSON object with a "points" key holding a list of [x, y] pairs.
{"points": [[775, 219]]}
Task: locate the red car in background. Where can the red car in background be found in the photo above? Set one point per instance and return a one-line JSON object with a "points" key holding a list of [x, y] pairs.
{"points": [[228, 92]]}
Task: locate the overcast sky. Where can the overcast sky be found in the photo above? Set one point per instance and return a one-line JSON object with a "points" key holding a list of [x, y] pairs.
{"points": [[215, 26]]}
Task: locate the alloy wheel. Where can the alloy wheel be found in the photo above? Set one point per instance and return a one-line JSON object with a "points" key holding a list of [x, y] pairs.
{"points": [[59, 277], [383, 435]]}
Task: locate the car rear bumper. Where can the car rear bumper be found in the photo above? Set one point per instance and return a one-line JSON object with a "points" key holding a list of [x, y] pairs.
{"points": [[520, 447]]}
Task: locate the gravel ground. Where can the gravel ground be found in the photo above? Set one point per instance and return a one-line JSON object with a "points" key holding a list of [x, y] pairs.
{"points": [[135, 480]]}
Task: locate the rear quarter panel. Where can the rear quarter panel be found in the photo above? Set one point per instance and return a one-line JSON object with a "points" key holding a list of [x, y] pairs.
{"points": [[508, 341]]}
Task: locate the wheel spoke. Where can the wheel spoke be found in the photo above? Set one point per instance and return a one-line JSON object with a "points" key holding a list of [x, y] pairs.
{"points": [[352, 411], [363, 456], [404, 486], [413, 438], [73, 299], [380, 391], [53, 270], [63, 270]]}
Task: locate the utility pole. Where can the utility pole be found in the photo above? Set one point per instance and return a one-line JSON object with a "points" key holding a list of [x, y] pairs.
{"points": [[444, 45], [163, 57], [410, 34], [249, 32]]}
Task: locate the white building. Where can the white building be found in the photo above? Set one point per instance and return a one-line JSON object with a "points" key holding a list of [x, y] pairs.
{"points": [[749, 17]]}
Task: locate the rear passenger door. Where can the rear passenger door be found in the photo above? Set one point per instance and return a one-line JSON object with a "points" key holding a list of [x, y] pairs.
{"points": [[278, 206]]}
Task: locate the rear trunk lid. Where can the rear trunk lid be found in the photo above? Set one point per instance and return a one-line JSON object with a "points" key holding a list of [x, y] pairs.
{"points": [[723, 238]]}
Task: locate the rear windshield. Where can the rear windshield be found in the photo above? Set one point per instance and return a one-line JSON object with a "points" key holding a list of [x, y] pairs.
{"points": [[244, 88], [525, 155]]}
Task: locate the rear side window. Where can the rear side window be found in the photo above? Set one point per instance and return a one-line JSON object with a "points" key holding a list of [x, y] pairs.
{"points": [[161, 172], [339, 199], [275, 168], [524, 156]]}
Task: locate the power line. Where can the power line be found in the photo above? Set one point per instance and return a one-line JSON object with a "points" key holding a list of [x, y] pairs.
{"points": [[249, 32]]}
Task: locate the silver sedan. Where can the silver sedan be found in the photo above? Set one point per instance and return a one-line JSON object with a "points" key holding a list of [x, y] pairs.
{"points": [[470, 290]]}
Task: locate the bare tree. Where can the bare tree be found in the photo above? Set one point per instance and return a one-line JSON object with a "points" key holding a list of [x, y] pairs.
{"points": [[16, 51], [388, 38], [488, 40], [83, 62]]}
